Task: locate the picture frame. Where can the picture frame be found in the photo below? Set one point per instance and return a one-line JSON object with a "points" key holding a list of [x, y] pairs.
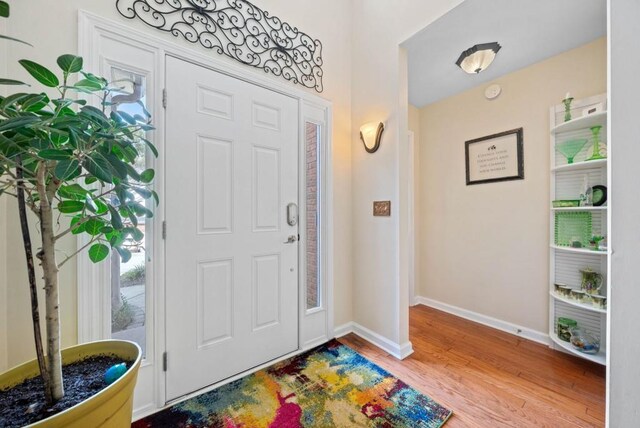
{"points": [[494, 158]]}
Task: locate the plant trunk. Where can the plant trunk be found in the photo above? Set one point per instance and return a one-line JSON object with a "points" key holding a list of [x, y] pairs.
{"points": [[47, 256], [33, 290]]}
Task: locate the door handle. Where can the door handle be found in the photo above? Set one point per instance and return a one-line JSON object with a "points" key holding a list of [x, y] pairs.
{"points": [[291, 239]]}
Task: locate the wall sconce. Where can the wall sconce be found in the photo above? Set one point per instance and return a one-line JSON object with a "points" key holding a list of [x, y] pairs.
{"points": [[370, 134], [478, 57]]}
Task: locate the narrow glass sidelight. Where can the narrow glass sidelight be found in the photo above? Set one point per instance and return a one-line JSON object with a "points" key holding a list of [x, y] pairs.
{"points": [[312, 221], [129, 279]]}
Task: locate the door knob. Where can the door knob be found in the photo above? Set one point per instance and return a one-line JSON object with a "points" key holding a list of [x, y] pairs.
{"points": [[291, 239]]}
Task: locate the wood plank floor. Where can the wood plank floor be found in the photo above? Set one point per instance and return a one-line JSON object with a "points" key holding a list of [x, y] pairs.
{"points": [[493, 379]]}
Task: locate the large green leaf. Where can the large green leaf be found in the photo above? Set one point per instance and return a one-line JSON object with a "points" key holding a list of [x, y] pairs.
{"points": [[88, 85], [116, 220], [118, 167], [40, 73], [91, 205], [35, 102], [14, 40], [137, 234], [96, 114], [17, 122], [98, 252], [70, 63], [4, 9], [153, 148], [67, 169], [97, 166], [145, 193], [147, 175], [12, 99], [11, 82], [73, 191], [125, 254], [94, 226], [53, 154], [68, 207]]}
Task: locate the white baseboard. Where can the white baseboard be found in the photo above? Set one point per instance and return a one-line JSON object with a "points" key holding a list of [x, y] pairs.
{"points": [[144, 411], [343, 330], [508, 327], [400, 351]]}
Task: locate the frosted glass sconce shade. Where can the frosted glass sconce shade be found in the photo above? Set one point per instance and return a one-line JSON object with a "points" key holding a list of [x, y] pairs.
{"points": [[370, 134]]}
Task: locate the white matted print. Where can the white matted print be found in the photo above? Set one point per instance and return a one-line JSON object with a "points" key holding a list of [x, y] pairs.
{"points": [[497, 157]]}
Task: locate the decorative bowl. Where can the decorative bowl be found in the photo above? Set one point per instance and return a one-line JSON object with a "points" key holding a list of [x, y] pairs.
{"points": [[584, 341], [569, 149], [566, 203]]}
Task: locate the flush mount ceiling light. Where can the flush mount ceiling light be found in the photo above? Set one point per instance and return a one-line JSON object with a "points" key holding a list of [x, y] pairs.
{"points": [[370, 134], [478, 57]]}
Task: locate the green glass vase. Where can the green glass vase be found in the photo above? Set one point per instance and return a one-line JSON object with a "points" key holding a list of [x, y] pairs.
{"points": [[595, 131]]}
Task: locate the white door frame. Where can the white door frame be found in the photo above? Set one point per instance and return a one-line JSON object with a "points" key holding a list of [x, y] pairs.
{"points": [[93, 320], [411, 219]]}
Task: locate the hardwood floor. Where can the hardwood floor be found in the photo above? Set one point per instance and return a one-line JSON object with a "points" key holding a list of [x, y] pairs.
{"points": [[493, 379]]}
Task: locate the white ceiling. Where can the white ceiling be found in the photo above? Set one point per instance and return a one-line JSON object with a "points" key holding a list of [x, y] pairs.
{"points": [[528, 31]]}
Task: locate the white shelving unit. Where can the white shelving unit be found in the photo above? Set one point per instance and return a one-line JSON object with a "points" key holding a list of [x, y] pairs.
{"points": [[565, 262]]}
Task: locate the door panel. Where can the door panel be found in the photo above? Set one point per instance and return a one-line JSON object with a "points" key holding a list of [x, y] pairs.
{"points": [[231, 280]]}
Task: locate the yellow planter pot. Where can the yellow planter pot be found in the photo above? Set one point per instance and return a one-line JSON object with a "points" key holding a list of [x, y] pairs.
{"points": [[110, 408]]}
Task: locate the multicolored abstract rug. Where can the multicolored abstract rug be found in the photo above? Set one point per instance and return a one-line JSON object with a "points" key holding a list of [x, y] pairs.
{"points": [[329, 386]]}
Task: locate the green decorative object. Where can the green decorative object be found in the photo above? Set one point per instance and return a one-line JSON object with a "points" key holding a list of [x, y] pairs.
{"points": [[595, 241], [567, 109], [566, 203], [595, 131], [564, 327], [569, 149], [572, 226]]}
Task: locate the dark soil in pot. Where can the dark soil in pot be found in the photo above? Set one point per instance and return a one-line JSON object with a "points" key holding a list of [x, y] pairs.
{"points": [[24, 404]]}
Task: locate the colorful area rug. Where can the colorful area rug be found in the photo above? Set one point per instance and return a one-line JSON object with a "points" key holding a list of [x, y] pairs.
{"points": [[329, 386]]}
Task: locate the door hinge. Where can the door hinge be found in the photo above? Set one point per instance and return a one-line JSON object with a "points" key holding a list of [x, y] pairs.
{"points": [[164, 361], [164, 98], [164, 230]]}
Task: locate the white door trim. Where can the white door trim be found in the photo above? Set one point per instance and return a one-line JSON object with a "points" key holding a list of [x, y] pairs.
{"points": [[411, 219], [92, 317]]}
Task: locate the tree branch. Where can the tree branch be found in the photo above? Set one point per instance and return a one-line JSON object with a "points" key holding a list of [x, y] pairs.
{"points": [[84, 247], [70, 229]]}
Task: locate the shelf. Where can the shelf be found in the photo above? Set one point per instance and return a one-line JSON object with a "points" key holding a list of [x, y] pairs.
{"points": [[584, 306], [581, 123], [601, 208], [580, 165], [600, 357], [578, 250]]}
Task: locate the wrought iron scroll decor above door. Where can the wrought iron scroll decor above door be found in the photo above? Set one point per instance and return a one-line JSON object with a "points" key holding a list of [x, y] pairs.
{"points": [[237, 29]]}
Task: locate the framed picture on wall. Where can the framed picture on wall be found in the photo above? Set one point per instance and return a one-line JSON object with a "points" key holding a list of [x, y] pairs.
{"points": [[497, 157]]}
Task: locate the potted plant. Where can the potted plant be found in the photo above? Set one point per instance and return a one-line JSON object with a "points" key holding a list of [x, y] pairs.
{"points": [[71, 165]]}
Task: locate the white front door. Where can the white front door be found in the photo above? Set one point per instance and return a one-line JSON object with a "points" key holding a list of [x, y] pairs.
{"points": [[231, 266]]}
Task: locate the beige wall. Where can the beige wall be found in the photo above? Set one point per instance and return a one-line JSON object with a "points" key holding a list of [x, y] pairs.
{"points": [[52, 38], [485, 248], [379, 85]]}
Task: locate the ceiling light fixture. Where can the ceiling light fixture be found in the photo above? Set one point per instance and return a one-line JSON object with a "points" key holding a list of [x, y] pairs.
{"points": [[478, 57]]}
